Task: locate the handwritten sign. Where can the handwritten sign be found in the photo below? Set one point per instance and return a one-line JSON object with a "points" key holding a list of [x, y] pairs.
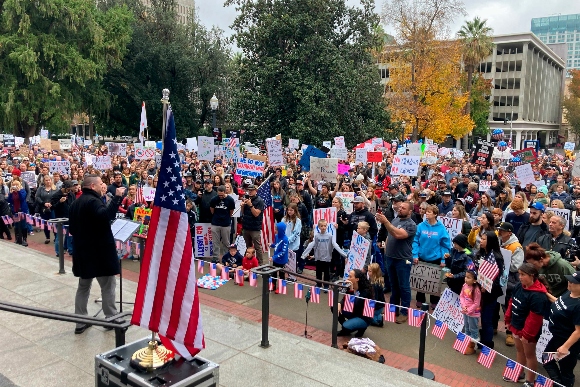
{"points": [[293, 143], [327, 144], [339, 142], [346, 198], [452, 225], [203, 241], [307, 153], [415, 149], [191, 144], [323, 169], [374, 157], [361, 155], [150, 144], [44, 133], [30, 178], [205, 148], [484, 185], [426, 278], [275, 154], [117, 148], [357, 255], [569, 145], [443, 151], [483, 153], [448, 310], [102, 162], [343, 169], [339, 153], [405, 165], [144, 153], [328, 214], [148, 194], [65, 144], [60, 167], [525, 174], [250, 168], [542, 343]]}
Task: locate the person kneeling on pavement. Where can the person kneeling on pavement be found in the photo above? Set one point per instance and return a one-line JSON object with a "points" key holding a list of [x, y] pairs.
{"points": [[361, 288], [231, 259]]}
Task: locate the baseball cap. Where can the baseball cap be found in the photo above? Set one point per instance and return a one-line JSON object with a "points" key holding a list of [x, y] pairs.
{"points": [[393, 186], [423, 195], [446, 193], [233, 246], [67, 184], [506, 226], [250, 186], [299, 182], [207, 181], [74, 182], [538, 206], [574, 278], [358, 199], [399, 198]]}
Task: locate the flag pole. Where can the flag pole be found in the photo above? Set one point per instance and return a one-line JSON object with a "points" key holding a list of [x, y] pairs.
{"points": [[165, 102]]}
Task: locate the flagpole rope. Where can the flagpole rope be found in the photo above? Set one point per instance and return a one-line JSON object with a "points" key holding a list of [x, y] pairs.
{"points": [[409, 308]]}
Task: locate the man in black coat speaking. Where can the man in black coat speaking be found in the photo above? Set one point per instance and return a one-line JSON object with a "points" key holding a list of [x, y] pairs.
{"points": [[94, 250]]}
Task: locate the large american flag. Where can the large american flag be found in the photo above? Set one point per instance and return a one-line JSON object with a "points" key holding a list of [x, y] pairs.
{"points": [[268, 225], [167, 300]]}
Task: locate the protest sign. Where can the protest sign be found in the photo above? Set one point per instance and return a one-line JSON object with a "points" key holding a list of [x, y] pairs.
{"points": [[293, 143], [18, 141], [426, 278], [452, 225], [360, 155], [346, 198], [87, 143], [401, 150], [290, 266], [339, 142], [231, 153], [203, 241], [30, 178], [576, 168], [60, 167], [117, 148], [339, 153], [310, 151], [377, 141], [327, 144], [205, 148], [429, 157], [569, 145], [102, 162], [264, 159], [343, 169], [483, 153], [150, 144], [484, 185], [507, 260], [45, 144], [374, 157], [65, 144], [432, 148], [44, 134], [525, 174], [191, 144], [563, 213], [328, 214], [158, 161], [545, 337], [458, 153], [405, 165], [539, 183], [148, 194], [9, 141], [249, 167], [144, 153], [357, 255], [323, 169], [527, 155], [275, 154], [443, 151], [448, 310], [415, 149]]}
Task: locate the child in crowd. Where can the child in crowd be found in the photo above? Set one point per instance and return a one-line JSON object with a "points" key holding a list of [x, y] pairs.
{"points": [[458, 261], [249, 262], [377, 283], [363, 230], [231, 259], [470, 299], [323, 245], [280, 257]]}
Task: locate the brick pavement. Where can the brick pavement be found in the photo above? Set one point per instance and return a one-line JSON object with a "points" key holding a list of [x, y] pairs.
{"points": [[393, 359]]}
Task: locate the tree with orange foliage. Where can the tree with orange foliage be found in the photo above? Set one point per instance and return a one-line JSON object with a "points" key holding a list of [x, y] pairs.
{"points": [[571, 103]]}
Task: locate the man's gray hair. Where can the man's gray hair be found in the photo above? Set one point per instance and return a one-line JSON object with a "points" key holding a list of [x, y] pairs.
{"points": [[561, 220]]}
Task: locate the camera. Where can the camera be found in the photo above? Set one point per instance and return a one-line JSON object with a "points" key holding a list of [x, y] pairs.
{"points": [[383, 202], [573, 251], [246, 196]]}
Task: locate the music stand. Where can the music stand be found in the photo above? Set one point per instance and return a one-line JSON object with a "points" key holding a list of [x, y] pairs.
{"points": [[122, 231]]}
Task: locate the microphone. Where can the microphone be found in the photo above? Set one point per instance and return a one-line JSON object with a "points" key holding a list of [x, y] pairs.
{"points": [[308, 294]]}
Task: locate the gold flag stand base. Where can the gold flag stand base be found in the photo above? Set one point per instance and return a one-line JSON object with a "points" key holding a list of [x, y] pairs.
{"points": [[152, 357]]}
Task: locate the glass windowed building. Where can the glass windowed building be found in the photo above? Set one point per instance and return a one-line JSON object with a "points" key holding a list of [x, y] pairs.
{"points": [[561, 29]]}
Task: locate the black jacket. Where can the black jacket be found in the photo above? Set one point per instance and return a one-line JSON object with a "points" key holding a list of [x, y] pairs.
{"points": [[559, 246], [94, 250], [457, 263], [363, 215], [205, 214], [61, 210], [526, 226]]}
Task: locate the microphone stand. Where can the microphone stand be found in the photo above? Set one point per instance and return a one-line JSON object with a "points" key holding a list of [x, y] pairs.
{"points": [[306, 335]]}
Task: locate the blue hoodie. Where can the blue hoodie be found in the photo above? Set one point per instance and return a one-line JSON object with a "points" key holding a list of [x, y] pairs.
{"points": [[280, 246], [431, 242]]}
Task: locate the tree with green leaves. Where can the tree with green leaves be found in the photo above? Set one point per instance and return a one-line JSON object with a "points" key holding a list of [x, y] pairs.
{"points": [[190, 60], [571, 103], [477, 44], [307, 71], [480, 104], [50, 52]]}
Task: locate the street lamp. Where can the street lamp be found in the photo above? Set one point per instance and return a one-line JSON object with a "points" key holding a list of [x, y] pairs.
{"points": [[214, 104]]}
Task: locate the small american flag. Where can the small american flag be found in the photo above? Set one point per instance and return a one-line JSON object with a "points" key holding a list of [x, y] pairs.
{"points": [[281, 286], [369, 309], [390, 313], [489, 270], [548, 357], [486, 357], [253, 279], [416, 317], [298, 289], [225, 273], [330, 298], [461, 343], [270, 284], [348, 303], [512, 370], [542, 381], [315, 296], [212, 269], [439, 329], [200, 266], [139, 198], [240, 277], [268, 226]]}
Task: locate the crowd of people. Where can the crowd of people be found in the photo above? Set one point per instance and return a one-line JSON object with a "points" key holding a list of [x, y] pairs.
{"points": [[398, 215]]}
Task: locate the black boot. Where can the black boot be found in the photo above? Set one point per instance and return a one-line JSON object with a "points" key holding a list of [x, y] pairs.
{"points": [[24, 243], [360, 332], [9, 235], [344, 332]]}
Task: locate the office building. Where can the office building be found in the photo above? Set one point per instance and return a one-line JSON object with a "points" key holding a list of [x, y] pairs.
{"points": [[561, 29], [185, 8]]}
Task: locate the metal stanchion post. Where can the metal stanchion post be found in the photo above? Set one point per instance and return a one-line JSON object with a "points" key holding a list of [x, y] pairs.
{"points": [[335, 289], [60, 240], [265, 310], [420, 370], [120, 337]]}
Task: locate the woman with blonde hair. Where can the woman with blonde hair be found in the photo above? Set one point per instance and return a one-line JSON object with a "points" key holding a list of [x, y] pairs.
{"points": [[17, 200], [458, 212], [42, 203], [377, 283]]}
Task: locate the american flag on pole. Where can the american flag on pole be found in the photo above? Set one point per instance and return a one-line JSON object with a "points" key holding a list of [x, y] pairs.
{"points": [[548, 357], [225, 274], [542, 381], [143, 124], [330, 298], [439, 329], [253, 279], [512, 370], [416, 317], [167, 300], [298, 290], [268, 226], [315, 295], [281, 286], [139, 198], [390, 312], [486, 357], [270, 284], [369, 309], [348, 303], [489, 270], [461, 343]]}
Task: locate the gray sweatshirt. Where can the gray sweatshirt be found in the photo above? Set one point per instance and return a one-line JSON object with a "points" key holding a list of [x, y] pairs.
{"points": [[323, 245]]}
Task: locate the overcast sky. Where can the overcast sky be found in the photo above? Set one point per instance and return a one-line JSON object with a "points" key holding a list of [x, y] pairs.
{"points": [[504, 16]]}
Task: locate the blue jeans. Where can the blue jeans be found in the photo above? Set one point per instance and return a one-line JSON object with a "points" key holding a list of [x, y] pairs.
{"points": [[470, 326], [400, 275], [354, 323], [377, 318], [67, 243]]}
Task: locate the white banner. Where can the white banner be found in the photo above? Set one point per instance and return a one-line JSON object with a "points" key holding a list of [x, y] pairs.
{"points": [[346, 198], [191, 144], [60, 167], [357, 255], [323, 169], [202, 240], [339, 153], [525, 174], [102, 162], [452, 225], [275, 154], [65, 144], [448, 310], [361, 156], [293, 143], [405, 165], [205, 148]]}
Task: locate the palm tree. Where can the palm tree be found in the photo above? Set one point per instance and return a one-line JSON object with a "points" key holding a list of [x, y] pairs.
{"points": [[477, 44]]}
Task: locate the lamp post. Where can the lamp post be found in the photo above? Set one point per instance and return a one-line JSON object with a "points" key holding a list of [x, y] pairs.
{"points": [[214, 104]]}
